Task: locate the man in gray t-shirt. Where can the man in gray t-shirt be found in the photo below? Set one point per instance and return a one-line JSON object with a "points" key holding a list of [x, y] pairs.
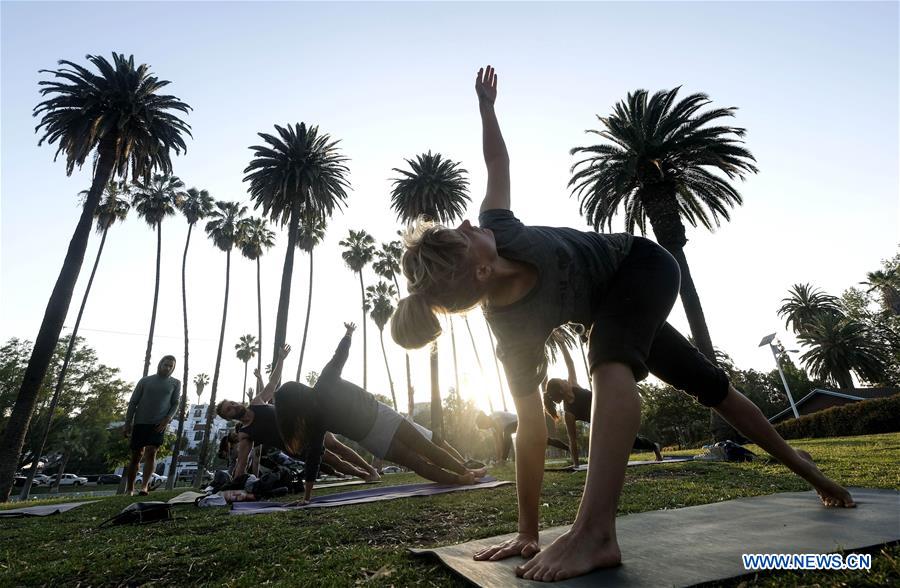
{"points": [[150, 410]]}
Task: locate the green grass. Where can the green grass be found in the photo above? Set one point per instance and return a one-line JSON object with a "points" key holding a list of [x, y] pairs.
{"points": [[367, 544]]}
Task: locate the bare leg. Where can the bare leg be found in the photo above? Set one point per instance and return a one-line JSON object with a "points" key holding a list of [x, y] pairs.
{"points": [[414, 440], [149, 465], [343, 467], [131, 472], [350, 456], [749, 420], [591, 542], [400, 453], [451, 450]]}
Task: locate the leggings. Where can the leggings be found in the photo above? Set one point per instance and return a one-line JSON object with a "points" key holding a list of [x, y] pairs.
{"points": [[410, 449]]}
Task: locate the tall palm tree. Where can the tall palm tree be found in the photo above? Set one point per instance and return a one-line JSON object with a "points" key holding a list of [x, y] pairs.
{"points": [[154, 200], [196, 205], [437, 188], [299, 172], [223, 228], [114, 207], [496, 363], [380, 300], [312, 232], [200, 382], [804, 304], [480, 366], [118, 115], [887, 283], [359, 252], [840, 346], [254, 239], [246, 350], [658, 164], [387, 266]]}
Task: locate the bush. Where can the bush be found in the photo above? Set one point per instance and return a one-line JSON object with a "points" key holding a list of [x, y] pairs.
{"points": [[868, 417]]}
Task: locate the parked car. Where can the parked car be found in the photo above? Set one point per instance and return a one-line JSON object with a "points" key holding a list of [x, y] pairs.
{"points": [[69, 480], [109, 479], [41, 480], [19, 481], [391, 470], [155, 480]]}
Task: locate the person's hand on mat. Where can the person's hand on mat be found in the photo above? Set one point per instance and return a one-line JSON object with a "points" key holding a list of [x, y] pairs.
{"points": [[486, 85], [161, 427], [524, 545], [284, 351]]}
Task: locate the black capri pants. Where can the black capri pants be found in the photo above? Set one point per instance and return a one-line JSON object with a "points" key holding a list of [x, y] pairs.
{"points": [[630, 326]]}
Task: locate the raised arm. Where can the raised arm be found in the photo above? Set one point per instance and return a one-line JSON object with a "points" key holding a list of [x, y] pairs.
{"points": [[570, 365], [496, 158], [265, 396], [335, 366], [572, 433]]}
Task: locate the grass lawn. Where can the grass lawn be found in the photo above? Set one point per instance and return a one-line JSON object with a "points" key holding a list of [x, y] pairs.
{"points": [[367, 544]]}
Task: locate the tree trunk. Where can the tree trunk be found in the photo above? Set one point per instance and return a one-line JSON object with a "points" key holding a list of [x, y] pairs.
{"points": [[64, 460], [409, 389], [155, 300], [388, 368], [362, 291], [308, 311], [478, 361], [844, 379], [437, 411], [182, 406], [211, 409], [284, 298], [51, 326], [258, 322], [455, 362], [496, 363], [73, 337], [244, 389]]}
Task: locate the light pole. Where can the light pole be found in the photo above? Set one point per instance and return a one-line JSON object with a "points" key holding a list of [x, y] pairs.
{"points": [[776, 353]]}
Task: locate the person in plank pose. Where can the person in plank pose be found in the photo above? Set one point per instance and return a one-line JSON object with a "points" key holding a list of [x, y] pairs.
{"points": [[503, 425], [577, 403], [532, 279], [305, 415], [259, 426]]}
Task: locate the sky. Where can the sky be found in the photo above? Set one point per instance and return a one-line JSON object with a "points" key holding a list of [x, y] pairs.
{"points": [[815, 84]]}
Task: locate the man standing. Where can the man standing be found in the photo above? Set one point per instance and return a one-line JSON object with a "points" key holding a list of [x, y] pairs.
{"points": [[152, 406]]}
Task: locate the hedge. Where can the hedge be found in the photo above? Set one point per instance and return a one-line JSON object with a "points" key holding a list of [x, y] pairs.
{"points": [[867, 417]]}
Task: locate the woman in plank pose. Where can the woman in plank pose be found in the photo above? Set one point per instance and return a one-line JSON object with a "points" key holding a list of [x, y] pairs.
{"points": [[306, 414], [532, 279]]}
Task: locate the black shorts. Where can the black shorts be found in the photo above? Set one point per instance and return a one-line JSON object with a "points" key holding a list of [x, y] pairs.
{"points": [[144, 435], [630, 326]]}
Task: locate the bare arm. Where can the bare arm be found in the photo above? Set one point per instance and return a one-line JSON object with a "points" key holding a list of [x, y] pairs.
{"points": [[570, 365], [244, 448], [572, 433], [496, 157], [265, 396]]}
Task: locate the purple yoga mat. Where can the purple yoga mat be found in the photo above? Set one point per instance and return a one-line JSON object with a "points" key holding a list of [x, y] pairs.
{"points": [[364, 496]]}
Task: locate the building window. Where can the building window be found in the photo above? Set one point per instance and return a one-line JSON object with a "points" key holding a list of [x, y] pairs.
{"points": [[198, 413], [198, 436]]}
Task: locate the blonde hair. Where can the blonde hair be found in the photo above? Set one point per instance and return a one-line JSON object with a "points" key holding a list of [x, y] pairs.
{"points": [[439, 278]]}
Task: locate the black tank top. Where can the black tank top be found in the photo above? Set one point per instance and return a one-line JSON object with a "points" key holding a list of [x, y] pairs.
{"points": [[264, 428], [581, 406]]}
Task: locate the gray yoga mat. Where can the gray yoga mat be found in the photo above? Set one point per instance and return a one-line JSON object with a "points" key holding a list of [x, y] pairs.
{"points": [[364, 496], [583, 467], [41, 510], [687, 546]]}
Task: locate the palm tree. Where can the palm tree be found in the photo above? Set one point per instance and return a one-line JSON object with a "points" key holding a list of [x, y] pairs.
{"points": [[840, 346], [387, 266], [379, 299], [438, 189], [298, 173], [119, 116], [360, 250], [154, 200], [312, 232], [481, 367], [496, 363], [888, 285], [114, 207], [255, 238], [804, 304], [658, 164], [246, 350], [223, 229], [200, 382], [196, 205]]}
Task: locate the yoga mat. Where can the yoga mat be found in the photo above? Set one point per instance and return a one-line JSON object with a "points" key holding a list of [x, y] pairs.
{"points": [[583, 467], [40, 511], [189, 497], [365, 496], [698, 544]]}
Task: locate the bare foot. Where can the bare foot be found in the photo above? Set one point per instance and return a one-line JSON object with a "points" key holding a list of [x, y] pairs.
{"points": [[572, 554], [479, 473], [657, 452], [373, 477], [467, 479], [830, 492]]}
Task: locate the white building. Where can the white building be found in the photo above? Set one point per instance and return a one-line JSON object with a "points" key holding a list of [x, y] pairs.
{"points": [[195, 425]]}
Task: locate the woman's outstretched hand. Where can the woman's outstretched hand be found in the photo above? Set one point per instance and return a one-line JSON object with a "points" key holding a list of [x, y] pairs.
{"points": [[486, 85], [524, 545], [350, 328]]}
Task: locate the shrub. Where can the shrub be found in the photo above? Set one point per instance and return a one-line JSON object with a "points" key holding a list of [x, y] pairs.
{"points": [[868, 417]]}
